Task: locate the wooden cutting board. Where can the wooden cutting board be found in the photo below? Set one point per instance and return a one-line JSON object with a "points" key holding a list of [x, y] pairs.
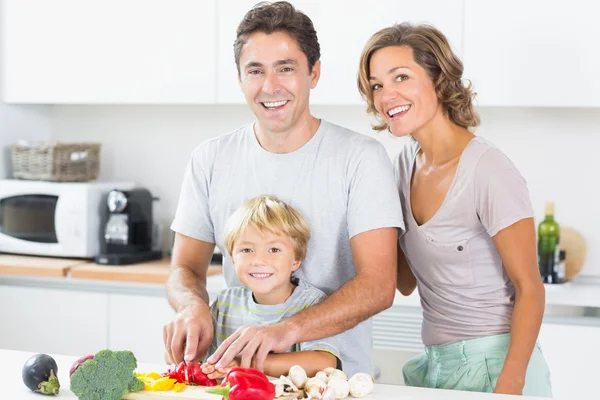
{"points": [[190, 393], [146, 272], [576, 250], [37, 266]]}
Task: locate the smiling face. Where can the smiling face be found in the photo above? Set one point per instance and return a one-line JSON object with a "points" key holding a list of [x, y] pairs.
{"points": [[403, 93], [264, 263], [276, 81]]}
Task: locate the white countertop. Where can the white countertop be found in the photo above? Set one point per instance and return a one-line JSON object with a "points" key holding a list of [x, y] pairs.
{"points": [[13, 388]]}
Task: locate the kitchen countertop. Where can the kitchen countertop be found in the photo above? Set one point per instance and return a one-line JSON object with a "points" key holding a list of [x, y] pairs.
{"points": [[11, 363], [150, 277]]}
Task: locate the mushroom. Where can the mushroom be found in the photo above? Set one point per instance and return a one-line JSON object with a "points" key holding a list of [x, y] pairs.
{"points": [[360, 384], [340, 385], [314, 388], [298, 376], [322, 376], [329, 370], [329, 394], [337, 374]]}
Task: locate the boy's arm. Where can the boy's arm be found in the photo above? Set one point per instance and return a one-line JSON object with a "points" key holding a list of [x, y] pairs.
{"points": [[312, 361]]}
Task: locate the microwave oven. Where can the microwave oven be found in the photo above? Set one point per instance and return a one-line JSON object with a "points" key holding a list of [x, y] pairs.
{"points": [[59, 219]]}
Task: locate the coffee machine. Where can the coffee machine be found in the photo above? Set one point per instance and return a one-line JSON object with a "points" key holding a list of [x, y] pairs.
{"points": [[127, 228]]}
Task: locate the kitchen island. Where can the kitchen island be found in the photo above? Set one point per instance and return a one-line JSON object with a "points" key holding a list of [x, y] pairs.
{"points": [[11, 363]]}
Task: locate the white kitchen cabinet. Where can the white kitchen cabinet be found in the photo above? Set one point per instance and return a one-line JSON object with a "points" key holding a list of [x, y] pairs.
{"points": [[343, 28], [533, 53], [136, 323], [111, 51], [571, 352], [52, 321]]}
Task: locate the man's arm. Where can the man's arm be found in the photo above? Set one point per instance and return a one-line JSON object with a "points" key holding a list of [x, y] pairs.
{"points": [[406, 279], [186, 290], [372, 290], [517, 247]]}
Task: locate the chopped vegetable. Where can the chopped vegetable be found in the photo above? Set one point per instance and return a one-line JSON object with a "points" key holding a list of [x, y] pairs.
{"points": [[245, 384], [179, 387], [190, 373], [108, 376], [40, 374]]}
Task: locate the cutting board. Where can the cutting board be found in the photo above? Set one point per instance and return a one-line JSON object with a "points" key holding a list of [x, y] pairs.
{"points": [[146, 272], [190, 393], [37, 266], [574, 244]]}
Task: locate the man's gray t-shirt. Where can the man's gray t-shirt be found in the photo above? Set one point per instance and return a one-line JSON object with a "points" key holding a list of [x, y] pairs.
{"points": [[235, 307], [464, 289], [342, 182]]}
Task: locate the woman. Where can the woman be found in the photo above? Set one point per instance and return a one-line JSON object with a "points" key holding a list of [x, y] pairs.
{"points": [[470, 235]]}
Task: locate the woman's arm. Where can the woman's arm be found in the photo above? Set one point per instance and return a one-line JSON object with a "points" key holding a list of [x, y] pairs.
{"points": [[406, 282], [517, 247]]}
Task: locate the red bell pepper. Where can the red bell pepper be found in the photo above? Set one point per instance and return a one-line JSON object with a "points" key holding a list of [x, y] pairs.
{"points": [[194, 374], [245, 384]]}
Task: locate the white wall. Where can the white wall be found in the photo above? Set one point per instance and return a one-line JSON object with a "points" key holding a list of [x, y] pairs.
{"points": [[555, 150]]}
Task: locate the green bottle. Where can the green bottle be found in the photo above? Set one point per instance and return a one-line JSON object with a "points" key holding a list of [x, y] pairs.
{"points": [[548, 239]]}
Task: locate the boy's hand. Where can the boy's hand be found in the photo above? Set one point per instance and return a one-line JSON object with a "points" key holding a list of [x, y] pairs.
{"points": [[252, 344], [213, 373]]}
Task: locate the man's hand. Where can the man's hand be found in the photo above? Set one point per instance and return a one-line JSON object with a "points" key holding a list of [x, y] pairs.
{"points": [[509, 384], [188, 336], [252, 344]]}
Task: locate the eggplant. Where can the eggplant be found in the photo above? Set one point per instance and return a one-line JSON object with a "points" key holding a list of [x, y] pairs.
{"points": [[40, 374]]}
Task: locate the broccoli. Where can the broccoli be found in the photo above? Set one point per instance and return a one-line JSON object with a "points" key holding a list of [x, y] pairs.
{"points": [[108, 376]]}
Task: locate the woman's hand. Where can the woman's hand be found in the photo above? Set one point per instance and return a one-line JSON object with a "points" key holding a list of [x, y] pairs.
{"points": [[509, 384]]}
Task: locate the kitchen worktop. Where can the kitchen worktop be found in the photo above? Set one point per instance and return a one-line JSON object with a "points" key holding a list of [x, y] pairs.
{"points": [[150, 277], [11, 363]]}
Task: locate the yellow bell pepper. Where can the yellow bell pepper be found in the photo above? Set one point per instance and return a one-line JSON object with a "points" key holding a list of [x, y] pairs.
{"points": [[179, 387], [162, 384]]}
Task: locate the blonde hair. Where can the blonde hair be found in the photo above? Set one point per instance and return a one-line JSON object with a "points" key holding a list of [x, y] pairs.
{"points": [[268, 213], [431, 51]]}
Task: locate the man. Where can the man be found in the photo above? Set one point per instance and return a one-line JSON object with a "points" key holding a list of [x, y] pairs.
{"points": [[342, 183]]}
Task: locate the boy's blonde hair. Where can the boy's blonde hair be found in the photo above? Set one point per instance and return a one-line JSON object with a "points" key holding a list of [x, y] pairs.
{"points": [[268, 213]]}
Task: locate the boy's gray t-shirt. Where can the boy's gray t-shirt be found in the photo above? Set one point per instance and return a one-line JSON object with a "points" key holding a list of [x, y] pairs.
{"points": [[464, 289], [235, 307], [341, 181]]}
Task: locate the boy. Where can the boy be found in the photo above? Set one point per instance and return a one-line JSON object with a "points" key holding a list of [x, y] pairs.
{"points": [[267, 240]]}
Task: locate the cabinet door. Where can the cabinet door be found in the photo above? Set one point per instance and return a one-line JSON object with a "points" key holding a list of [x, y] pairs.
{"points": [[52, 321], [111, 51], [531, 53], [136, 324], [570, 351], [343, 28]]}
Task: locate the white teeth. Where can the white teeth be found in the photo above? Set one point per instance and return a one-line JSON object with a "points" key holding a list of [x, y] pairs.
{"points": [[396, 110], [260, 276], [274, 104]]}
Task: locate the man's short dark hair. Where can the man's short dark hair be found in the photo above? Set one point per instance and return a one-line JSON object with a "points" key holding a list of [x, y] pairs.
{"points": [[279, 16]]}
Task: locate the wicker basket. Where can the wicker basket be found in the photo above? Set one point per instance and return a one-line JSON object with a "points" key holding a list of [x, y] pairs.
{"points": [[64, 162]]}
